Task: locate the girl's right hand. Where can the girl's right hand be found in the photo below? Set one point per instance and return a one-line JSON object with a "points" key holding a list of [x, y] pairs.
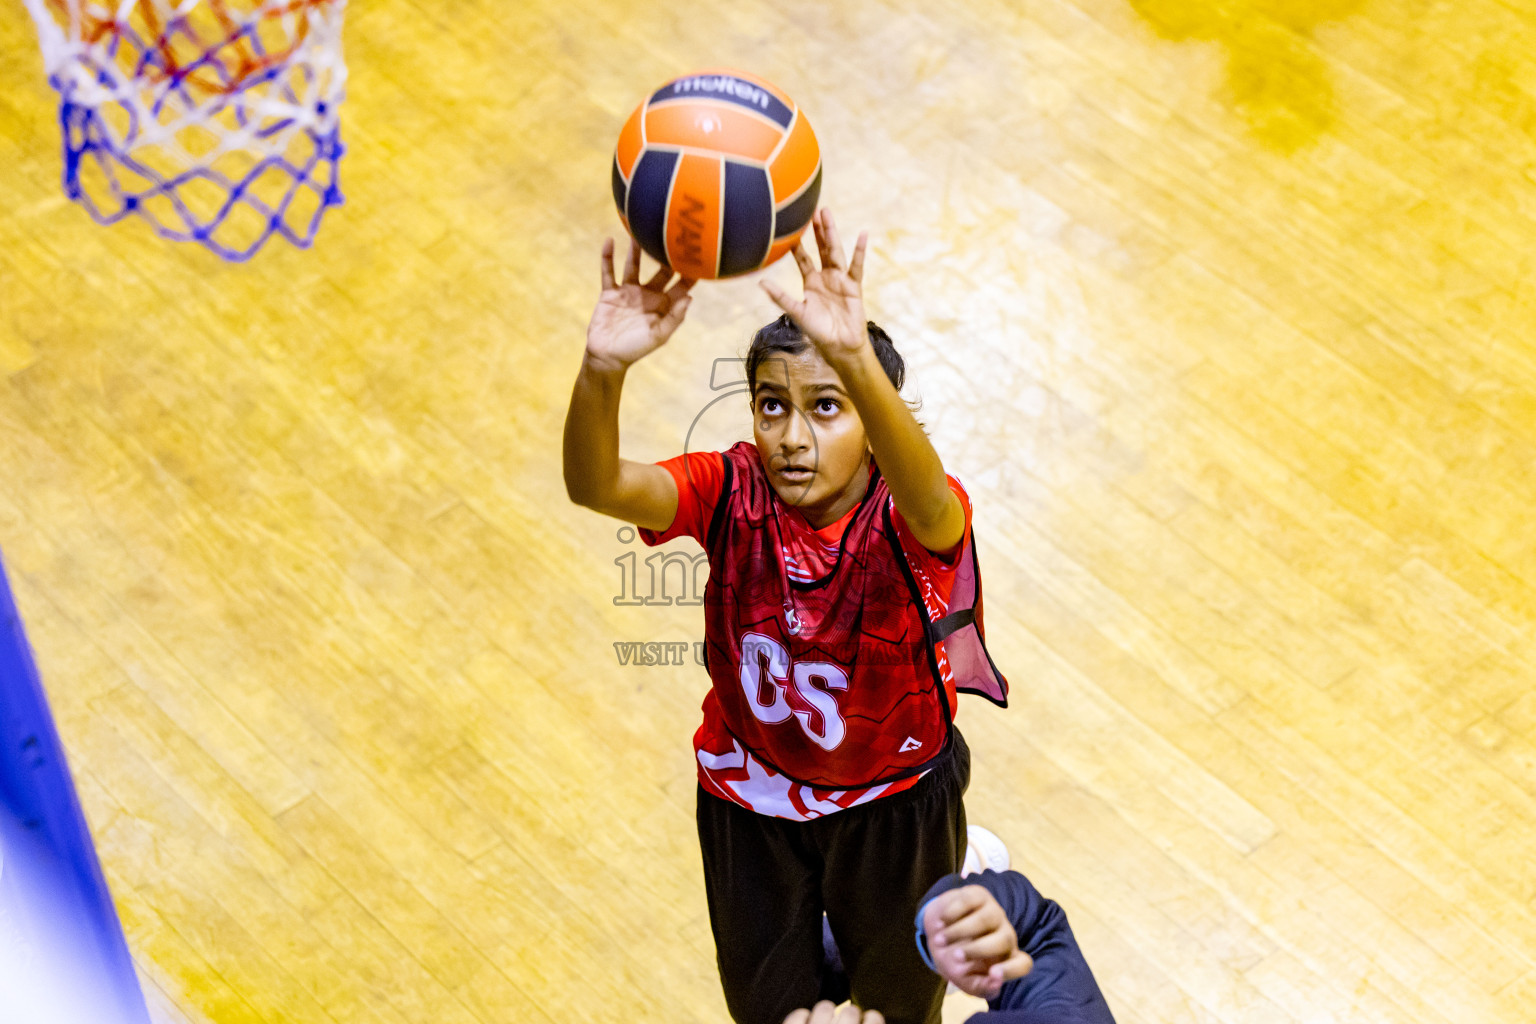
{"points": [[632, 320], [972, 942]]}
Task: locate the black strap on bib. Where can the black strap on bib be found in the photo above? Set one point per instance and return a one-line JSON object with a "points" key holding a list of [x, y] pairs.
{"points": [[949, 623]]}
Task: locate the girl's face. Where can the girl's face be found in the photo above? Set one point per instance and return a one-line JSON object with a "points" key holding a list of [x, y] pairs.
{"points": [[809, 437]]}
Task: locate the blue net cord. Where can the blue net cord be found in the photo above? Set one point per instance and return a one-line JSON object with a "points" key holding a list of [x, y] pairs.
{"points": [[286, 159], [85, 136]]}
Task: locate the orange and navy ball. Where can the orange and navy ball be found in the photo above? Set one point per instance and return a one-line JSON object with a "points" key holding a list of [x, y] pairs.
{"points": [[717, 174]]}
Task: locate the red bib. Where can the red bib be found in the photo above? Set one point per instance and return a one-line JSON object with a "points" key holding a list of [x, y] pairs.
{"points": [[832, 682]]}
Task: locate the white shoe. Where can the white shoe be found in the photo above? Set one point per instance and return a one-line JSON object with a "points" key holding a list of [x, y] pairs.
{"points": [[983, 851]]}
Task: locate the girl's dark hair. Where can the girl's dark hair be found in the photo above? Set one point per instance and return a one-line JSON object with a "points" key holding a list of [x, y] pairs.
{"points": [[784, 336]]}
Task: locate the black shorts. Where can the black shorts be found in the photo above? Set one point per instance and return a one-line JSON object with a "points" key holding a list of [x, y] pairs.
{"points": [[769, 880]]}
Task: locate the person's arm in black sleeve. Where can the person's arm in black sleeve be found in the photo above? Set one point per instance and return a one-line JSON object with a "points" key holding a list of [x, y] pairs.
{"points": [[1060, 988]]}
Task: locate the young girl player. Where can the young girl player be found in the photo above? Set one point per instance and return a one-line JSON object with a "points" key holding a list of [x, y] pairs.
{"points": [[842, 613]]}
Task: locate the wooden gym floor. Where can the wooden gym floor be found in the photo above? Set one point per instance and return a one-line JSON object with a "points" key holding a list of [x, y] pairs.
{"points": [[1222, 310]]}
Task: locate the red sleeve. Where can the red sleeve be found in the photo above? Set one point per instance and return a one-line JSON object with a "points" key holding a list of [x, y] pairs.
{"points": [[698, 476], [936, 561]]}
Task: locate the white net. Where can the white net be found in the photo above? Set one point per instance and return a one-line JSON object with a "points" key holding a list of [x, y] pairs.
{"points": [[215, 120]]}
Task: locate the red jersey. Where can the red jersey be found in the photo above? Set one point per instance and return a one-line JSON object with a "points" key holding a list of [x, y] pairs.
{"points": [[829, 650]]}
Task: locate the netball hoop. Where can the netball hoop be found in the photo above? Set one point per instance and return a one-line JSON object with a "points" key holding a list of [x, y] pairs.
{"points": [[214, 120]]}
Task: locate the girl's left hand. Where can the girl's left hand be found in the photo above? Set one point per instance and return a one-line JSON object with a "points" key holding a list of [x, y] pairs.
{"points": [[832, 312], [825, 1012]]}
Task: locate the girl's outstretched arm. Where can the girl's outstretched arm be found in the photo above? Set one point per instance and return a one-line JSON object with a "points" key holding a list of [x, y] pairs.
{"points": [[832, 316], [631, 321]]}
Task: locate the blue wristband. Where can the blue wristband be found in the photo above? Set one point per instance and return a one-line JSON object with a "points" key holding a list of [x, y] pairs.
{"points": [[922, 938]]}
